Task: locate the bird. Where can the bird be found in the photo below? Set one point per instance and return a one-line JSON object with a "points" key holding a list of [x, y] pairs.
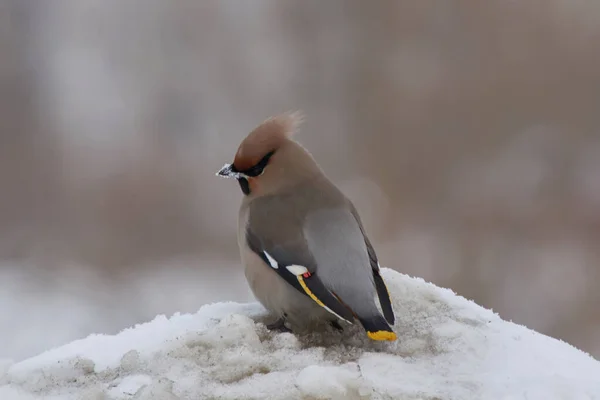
{"points": [[304, 249]]}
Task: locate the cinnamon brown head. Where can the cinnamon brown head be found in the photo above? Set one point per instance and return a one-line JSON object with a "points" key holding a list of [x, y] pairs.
{"points": [[262, 147], [265, 139]]}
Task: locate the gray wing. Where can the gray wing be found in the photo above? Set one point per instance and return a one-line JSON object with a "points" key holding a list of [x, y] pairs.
{"points": [[337, 243], [287, 253], [382, 292]]}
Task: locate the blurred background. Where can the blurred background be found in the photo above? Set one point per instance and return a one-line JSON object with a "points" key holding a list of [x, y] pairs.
{"points": [[467, 134]]}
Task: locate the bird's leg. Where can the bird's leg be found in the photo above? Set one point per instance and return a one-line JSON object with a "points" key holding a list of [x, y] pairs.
{"points": [[336, 325], [279, 325]]}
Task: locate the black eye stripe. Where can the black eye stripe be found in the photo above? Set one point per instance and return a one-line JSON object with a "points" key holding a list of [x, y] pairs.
{"points": [[259, 167]]}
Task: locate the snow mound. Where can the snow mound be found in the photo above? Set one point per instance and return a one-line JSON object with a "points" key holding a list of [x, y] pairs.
{"points": [[448, 348]]}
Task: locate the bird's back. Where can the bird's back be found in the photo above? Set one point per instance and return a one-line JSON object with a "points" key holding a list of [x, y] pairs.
{"points": [[321, 233]]}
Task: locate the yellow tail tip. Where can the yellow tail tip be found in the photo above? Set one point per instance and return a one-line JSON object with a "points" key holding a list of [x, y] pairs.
{"points": [[382, 335]]}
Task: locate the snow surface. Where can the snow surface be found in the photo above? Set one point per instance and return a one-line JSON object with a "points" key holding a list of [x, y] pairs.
{"points": [[448, 348]]}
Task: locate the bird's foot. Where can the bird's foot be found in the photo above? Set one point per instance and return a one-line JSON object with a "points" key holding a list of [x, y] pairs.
{"points": [[336, 325], [279, 325]]}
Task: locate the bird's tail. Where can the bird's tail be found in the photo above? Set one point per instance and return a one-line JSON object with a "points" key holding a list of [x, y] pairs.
{"points": [[377, 328]]}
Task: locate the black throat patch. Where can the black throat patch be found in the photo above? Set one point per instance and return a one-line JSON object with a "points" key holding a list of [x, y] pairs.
{"points": [[244, 185]]}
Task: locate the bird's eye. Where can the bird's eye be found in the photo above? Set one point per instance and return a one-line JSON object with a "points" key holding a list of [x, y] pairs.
{"points": [[258, 169]]}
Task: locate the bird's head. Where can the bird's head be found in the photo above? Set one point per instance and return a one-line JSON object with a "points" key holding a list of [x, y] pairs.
{"points": [[268, 159]]}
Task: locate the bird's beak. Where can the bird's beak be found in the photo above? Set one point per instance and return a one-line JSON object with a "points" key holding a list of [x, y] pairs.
{"points": [[227, 171]]}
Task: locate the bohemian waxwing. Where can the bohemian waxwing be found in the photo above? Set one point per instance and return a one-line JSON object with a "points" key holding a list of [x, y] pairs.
{"points": [[304, 248]]}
